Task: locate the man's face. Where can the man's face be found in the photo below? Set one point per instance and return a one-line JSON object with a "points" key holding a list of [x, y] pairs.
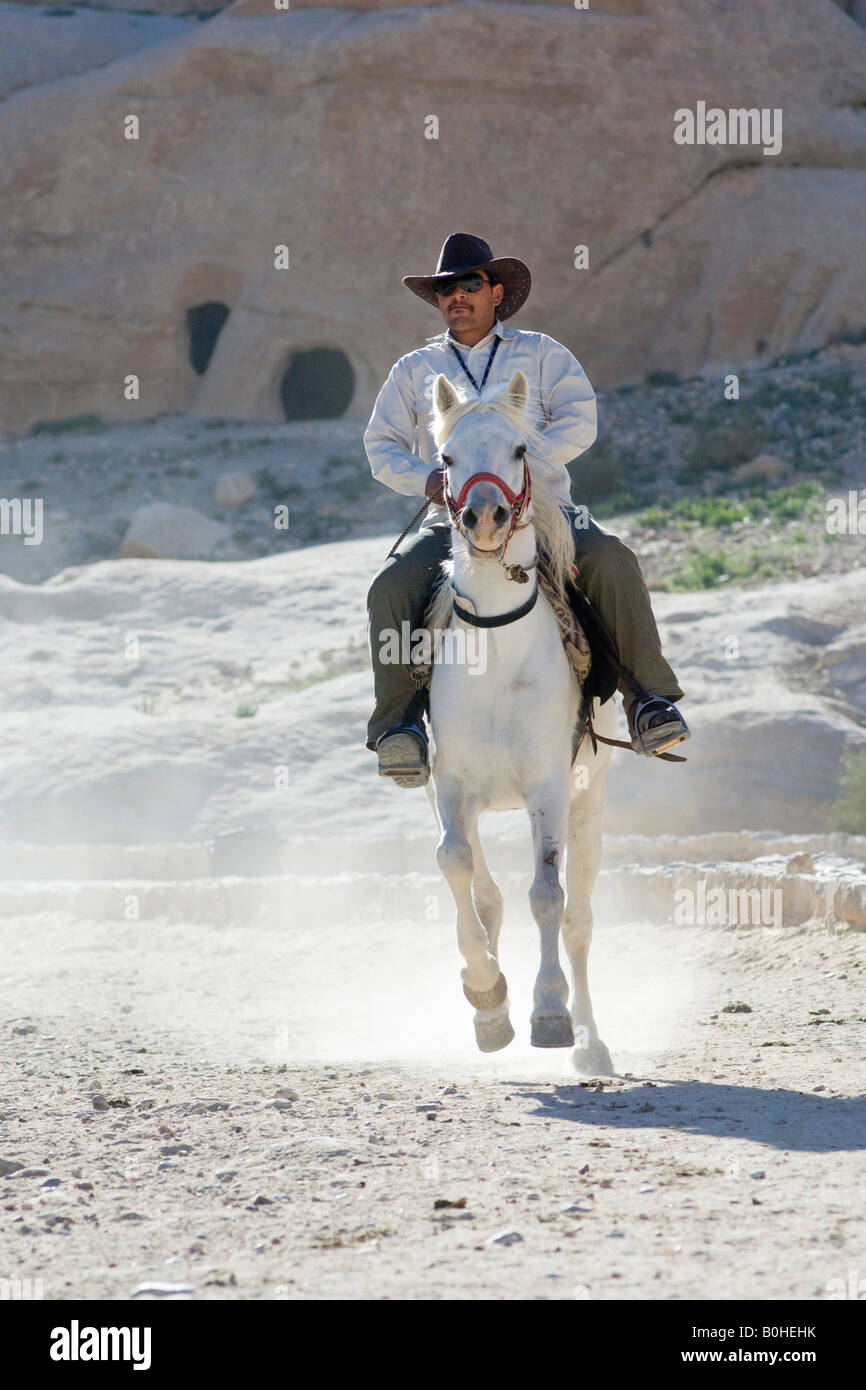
{"points": [[464, 311]]}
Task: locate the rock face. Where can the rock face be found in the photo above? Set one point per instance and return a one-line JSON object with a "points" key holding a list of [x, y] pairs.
{"points": [[42, 45], [154, 258], [165, 532]]}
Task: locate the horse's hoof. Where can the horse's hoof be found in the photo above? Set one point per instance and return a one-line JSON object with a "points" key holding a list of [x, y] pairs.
{"points": [[552, 1030], [488, 998], [493, 1032], [593, 1060]]}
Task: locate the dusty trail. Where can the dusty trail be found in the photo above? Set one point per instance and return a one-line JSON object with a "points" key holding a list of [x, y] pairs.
{"points": [[285, 1167]]}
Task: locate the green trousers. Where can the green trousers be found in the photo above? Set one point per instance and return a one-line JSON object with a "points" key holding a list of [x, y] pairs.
{"points": [[610, 576]]}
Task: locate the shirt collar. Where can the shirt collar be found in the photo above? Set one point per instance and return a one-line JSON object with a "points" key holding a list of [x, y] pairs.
{"points": [[498, 330]]}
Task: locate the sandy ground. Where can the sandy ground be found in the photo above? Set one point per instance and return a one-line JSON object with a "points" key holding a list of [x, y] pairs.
{"points": [[166, 1138]]}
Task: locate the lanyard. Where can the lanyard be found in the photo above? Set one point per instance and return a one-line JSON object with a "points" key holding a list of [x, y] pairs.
{"points": [[479, 389]]}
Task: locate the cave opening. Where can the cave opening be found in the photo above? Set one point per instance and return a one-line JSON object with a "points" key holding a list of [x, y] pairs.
{"points": [[317, 385], [204, 323]]}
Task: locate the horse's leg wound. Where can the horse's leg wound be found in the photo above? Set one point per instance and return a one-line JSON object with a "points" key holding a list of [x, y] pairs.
{"points": [[548, 810]]}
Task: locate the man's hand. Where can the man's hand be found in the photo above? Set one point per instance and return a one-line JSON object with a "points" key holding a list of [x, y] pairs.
{"points": [[434, 489]]}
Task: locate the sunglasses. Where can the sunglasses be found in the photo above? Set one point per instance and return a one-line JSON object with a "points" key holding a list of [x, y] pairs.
{"points": [[470, 283]]}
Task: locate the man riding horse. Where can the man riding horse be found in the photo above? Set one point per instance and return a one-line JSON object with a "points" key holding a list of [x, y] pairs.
{"points": [[475, 293]]}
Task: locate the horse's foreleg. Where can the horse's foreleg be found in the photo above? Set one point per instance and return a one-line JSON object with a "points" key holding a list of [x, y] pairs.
{"points": [[485, 894], [591, 1056], [551, 1021], [483, 983]]}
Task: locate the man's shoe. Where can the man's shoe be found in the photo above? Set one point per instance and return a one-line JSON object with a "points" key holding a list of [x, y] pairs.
{"points": [[403, 756], [656, 726]]}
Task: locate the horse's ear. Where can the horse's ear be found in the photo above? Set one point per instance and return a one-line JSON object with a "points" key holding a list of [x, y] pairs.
{"points": [[518, 391], [444, 395]]}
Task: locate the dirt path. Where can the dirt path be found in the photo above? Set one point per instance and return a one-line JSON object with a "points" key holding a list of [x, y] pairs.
{"points": [[731, 1163]]}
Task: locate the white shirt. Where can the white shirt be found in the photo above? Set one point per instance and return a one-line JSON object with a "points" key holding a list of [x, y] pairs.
{"points": [[397, 439]]}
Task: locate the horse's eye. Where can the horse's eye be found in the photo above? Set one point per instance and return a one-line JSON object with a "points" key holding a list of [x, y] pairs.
{"points": [[447, 460], [520, 451]]}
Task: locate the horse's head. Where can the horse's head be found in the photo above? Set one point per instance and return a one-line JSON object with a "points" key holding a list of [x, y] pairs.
{"points": [[482, 447]]}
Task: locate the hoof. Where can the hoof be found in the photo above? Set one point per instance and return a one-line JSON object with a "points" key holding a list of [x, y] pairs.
{"points": [[493, 1031], [593, 1060], [487, 998], [552, 1030]]}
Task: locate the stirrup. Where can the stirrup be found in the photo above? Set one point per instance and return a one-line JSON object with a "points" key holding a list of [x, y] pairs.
{"points": [[402, 753], [664, 730]]}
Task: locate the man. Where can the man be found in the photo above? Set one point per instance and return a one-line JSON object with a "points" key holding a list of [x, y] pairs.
{"points": [[475, 293]]}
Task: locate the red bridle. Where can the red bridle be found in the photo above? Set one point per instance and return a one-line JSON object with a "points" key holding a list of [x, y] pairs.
{"points": [[518, 501]]}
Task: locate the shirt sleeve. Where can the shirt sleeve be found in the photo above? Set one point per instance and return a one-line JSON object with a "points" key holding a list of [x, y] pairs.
{"points": [[568, 403], [390, 436]]}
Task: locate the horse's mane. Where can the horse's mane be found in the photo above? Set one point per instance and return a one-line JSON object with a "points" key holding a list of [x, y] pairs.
{"points": [[553, 534]]}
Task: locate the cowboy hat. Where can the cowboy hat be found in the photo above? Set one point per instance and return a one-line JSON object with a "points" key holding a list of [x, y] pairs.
{"points": [[462, 254]]}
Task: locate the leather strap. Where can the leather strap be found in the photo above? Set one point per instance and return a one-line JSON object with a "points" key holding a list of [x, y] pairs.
{"points": [[501, 619]]}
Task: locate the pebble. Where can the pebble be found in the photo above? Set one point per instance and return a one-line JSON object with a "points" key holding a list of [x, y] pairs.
{"points": [[131, 1216], [758, 1173], [584, 1168], [279, 1105], [31, 1173], [99, 1102], [165, 1165], [449, 1090], [51, 1182], [506, 1238], [286, 1093], [167, 1150], [819, 1088], [225, 1174], [158, 1290], [9, 1165], [261, 1201], [25, 1028], [578, 1207]]}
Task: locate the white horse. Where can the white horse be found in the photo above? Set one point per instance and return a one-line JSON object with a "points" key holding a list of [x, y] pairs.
{"points": [[502, 727]]}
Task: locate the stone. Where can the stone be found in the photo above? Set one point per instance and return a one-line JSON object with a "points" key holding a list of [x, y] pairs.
{"points": [[9, 1165], [164, 531], [506, 1238], [234, 489], [800, 864], [156, 1289], [762, 466]]}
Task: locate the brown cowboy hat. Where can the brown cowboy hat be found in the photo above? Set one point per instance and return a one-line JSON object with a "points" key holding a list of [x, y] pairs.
{"points": [[463, 253]]}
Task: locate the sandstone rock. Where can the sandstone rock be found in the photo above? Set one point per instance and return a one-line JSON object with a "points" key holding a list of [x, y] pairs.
{"points": [[233, 489], [699, 255], [763, 466], [163, 531], [801, 864], [39, 46]]}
